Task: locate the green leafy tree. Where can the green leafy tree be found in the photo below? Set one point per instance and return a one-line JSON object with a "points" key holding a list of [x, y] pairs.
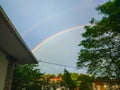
{"points": [[26, 77], [67, 80], [45, 81], [74, 77], [111, 12], [85, 82], [100, 51], [60, 75]]}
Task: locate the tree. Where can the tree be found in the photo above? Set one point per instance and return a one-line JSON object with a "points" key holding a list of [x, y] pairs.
{"points": [[111, 11], [26, 76], [85, 82], [100, 51], [74, 77], [67, 80]]}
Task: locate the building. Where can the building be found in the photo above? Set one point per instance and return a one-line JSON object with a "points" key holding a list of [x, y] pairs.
{"points": [[13, 51], [55, 79], [106, 85]]}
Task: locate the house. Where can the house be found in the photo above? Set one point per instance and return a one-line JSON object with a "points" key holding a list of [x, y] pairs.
{"points": [[13, 50], [106, 85], [55, 79]]}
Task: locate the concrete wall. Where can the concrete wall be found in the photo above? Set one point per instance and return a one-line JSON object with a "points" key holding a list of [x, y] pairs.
{"points": [[3, 69]]}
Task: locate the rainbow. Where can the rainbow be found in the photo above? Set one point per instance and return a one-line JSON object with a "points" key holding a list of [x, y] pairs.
{"points": [[46, 20], [55, 35]]}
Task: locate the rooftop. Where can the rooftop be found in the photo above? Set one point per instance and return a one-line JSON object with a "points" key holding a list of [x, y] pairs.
{"points": [[12, 43]]}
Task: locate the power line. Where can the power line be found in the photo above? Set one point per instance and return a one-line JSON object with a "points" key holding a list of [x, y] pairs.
{"points": [[57, 64]]}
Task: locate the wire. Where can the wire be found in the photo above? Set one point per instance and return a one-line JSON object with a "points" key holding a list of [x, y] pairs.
{"points": [[57, 64]]}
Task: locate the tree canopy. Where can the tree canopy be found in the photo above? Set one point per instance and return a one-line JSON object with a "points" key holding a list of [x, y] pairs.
{"points": [[86, 82], [111, 12], [100, 51], [68, 80], [26, 77]]}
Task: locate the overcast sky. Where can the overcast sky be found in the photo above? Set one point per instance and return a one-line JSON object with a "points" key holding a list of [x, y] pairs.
{"points": [[54, 27]]}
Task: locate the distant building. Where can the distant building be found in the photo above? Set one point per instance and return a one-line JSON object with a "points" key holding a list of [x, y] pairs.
{"points": [[106, 85], [13, 51], [55, 79]]}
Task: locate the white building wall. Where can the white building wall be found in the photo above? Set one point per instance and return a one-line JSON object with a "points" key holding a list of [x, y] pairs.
{"points": [[3, 69]]}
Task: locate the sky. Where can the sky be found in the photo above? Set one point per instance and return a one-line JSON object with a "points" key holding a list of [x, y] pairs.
{"points": [[52, 28]]}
